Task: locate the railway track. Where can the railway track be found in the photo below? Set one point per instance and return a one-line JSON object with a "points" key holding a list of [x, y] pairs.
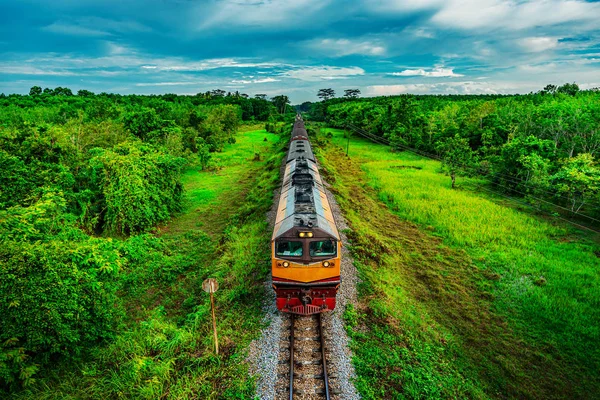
{"points": [[303, 371]]}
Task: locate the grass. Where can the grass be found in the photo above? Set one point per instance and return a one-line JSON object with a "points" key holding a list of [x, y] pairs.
{"points": [[164, 349], [463, 295]]}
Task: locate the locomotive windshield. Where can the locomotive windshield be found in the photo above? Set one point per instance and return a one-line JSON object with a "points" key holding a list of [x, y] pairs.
{"points": [[322, 248], [293, 249]]}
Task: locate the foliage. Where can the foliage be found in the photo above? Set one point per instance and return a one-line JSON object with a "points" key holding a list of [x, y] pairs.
{"points": [[516, 141], [326, 94], [78, 166], [138, 187], [463, 295], [579, 180], [165, 347], [57, 288]]}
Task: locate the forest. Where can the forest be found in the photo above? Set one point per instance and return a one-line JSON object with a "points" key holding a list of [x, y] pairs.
{"points": [[541, 146], [86, 180]]}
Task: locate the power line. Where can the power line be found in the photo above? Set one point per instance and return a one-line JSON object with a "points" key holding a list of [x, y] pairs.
{"points": [[510, 178], [381, 140]]}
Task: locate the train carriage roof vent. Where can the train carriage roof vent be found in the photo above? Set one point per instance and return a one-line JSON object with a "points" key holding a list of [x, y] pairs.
{"points": [[302, 179], [303, 196]]}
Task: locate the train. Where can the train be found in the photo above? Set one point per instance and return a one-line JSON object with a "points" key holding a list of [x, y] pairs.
{"points": [[305, 246]]}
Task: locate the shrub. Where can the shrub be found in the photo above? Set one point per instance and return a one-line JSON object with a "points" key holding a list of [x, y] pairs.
{"points": [[139, 186]]}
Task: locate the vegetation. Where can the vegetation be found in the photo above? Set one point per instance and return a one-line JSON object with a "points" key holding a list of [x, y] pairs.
{"points": [[113, 210], [527, 144], [463, 294]]}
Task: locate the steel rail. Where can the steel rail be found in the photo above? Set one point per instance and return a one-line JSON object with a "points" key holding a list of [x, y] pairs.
{"points": [[324, 360], [292, 356]]}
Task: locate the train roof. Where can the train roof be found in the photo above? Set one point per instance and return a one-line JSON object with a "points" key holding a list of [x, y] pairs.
{"points": [[303, 203], [300, 149]]}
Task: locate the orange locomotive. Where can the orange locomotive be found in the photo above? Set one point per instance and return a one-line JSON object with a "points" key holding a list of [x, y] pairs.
{"points": [[306, 246]]}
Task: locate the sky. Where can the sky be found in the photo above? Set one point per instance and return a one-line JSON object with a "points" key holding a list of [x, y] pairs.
{"points": [[296, 47]]}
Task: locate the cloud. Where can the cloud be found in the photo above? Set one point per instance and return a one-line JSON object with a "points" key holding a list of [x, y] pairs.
{"points": [[31, 70], [323, 73], [466, 87], [403, 6], [537, 44], [345, 47], [257, 14], [94, 27], [433, 73], [514, 15], [262, 80], [74, 30]]}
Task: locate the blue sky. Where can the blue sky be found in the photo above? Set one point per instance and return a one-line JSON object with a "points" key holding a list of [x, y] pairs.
{"points": [[296, 47]]}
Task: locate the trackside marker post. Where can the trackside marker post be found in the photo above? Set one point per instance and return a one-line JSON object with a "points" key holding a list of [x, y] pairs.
{"points": [[210, 285]]}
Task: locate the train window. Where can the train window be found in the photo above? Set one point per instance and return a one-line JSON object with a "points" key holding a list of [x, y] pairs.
{"points": [[290, 249], [322, 248]]}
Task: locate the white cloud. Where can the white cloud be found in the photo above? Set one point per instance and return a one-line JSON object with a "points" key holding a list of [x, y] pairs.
{"points": [[249, 81], [433, 73], [345, 47], [537, 44], [74, 30], [31, 70], [253, 13], [467, 87], [513, 14], [94, 27], [323, 73], [402, 6]]}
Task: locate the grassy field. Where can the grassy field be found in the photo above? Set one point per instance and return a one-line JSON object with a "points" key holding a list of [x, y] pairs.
{"points": [[464, 295], [165, 347]]}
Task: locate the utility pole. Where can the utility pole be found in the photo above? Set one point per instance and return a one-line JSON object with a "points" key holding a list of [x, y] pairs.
{"points": [[210, 285]]}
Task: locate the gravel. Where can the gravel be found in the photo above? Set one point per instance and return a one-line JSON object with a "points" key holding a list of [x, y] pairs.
{"points": [[264, 353]]}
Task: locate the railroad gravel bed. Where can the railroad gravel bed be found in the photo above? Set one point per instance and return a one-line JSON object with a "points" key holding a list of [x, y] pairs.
{"points": [[264, 353]]}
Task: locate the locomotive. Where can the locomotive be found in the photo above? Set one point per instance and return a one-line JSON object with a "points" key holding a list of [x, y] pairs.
{"points": [[306, 246]]}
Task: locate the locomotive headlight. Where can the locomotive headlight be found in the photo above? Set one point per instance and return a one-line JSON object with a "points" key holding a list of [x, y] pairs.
{"points": [[286, 264], [302, 234], [326, 264], [309, 234]]}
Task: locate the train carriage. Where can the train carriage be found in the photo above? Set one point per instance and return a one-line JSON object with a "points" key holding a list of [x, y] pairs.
{"points": [[306, 246]]}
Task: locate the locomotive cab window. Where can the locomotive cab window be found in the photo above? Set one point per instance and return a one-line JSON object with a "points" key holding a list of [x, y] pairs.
{"points": [[289, 249], [322, 248]]}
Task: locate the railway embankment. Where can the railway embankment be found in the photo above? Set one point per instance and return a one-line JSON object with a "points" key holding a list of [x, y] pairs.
{"points": [[462, 295]]}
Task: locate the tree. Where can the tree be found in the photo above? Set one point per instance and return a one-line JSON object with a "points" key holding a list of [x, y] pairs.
{"points": [[550, 89], [35, 91], [351, 93], [62, 91], [326, 94], [579, 180], [84, 93], [457, 156], [217, 93], [568, 88], [281, 103], [260, 96]]}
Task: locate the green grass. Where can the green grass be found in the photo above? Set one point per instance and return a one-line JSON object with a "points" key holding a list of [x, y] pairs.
{"points": [[464, 295], [165, 347]]}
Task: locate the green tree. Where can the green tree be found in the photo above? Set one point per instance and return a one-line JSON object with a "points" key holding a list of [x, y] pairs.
{"points": [[570, 89], [579, 180], [326, 94], [351, 93], [281, 103], [457, 156], [57, 290], [35, 91]]}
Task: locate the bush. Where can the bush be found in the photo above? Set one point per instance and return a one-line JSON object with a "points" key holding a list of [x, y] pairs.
{"points": [[57, 290], [139, 186]]}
